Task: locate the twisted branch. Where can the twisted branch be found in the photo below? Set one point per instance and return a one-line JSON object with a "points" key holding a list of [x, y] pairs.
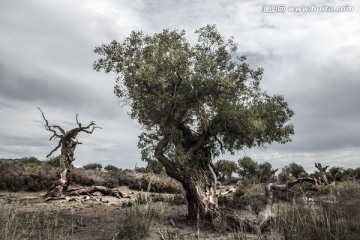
{"points": [[65, 135]]}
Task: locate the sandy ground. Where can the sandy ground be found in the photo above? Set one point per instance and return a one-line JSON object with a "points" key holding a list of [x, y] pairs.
{"points": [[96, 217]]}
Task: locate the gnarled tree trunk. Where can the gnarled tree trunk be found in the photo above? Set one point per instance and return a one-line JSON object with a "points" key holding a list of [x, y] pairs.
{"points": [[201, 195], [68, 146], [68, 143], [199, 181]]}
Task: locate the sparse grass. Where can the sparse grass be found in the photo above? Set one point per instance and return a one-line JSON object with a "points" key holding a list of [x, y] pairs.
{"points": [[328, 220], [15, 224], [135, 224], [239, 235]]}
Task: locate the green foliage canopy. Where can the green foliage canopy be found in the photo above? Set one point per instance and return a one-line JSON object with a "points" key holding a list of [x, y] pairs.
{"points": [[247, 167], [225, 168], [193, 96]]}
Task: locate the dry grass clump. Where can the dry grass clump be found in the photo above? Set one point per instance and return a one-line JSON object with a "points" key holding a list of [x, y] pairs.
{"points": [[149, 182], [330, 218], [135, 224], [243, 198], [16, 224], [88, 177]]}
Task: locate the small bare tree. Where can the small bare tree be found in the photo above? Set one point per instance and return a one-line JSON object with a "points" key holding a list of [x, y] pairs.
{"points": [[322, 172], [68, 143]]}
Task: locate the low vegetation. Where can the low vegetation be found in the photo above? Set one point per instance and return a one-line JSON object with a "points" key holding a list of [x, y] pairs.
{"points": [[328, 218], [330, 212], [35, 176]]}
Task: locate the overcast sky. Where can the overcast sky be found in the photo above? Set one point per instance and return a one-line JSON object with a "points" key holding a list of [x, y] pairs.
{"points": [[46, 56]]}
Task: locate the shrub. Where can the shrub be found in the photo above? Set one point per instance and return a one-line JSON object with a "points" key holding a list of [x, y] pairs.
{"points": [[54, 161], [31, 160], [24, 176], [135, 224], [93, 166], [111, 168]]}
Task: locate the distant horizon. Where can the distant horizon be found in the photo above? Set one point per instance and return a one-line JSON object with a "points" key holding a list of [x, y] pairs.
{"points": [[144, 165]]}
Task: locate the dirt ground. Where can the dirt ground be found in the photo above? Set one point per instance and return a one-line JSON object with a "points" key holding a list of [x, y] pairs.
{"points": [[96, 217]]}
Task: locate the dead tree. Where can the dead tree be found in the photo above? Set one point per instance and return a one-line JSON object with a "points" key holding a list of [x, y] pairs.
{"points": [[266, 214], [322, 171], [68, 143]]}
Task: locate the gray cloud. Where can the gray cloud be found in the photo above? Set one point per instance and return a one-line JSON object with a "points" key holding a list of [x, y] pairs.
{"points": [[46, 56]]}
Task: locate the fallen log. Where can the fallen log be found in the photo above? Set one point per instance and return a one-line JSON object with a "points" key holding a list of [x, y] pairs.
{"points": [[89, 190]]}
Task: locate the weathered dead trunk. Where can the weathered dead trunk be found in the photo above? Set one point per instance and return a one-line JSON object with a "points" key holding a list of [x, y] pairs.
{"points": [[322, 174], [68, 143], [201, 195], [66, 159]]}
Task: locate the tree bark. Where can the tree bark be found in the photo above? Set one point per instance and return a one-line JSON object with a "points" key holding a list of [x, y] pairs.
{"points": [[66, 158], [68, 143], [201, 195], [322, 172], [198, 179]]}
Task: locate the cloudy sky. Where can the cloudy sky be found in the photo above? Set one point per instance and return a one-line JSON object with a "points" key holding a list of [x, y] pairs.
{"points": [[46, 56]]}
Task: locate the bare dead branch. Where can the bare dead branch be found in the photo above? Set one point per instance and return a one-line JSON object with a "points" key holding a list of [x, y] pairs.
{"points": [[54, 150], [52, 128], [77, 120]]}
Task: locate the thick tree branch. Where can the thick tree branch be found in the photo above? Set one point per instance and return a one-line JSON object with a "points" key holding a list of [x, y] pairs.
{"points": [[169, 165], [202, 140], [290, 184]]}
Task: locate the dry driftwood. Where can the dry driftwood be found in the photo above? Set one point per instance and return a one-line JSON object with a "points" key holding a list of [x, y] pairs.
{"points": [[266, 214], [88, 190]]}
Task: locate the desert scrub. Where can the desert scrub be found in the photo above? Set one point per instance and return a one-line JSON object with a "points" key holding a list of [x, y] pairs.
{"points": [[326, 220], [135, 224], [17, 224]]}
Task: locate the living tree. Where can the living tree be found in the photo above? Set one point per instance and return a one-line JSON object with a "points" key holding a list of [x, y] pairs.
{"points": [[296, 170], [247, 167], [194, 101], [265, 172], [225, 169]]}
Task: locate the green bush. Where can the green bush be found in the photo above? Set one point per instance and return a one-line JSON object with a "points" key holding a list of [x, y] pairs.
{"points": [[111, 168], [93, 166]]}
